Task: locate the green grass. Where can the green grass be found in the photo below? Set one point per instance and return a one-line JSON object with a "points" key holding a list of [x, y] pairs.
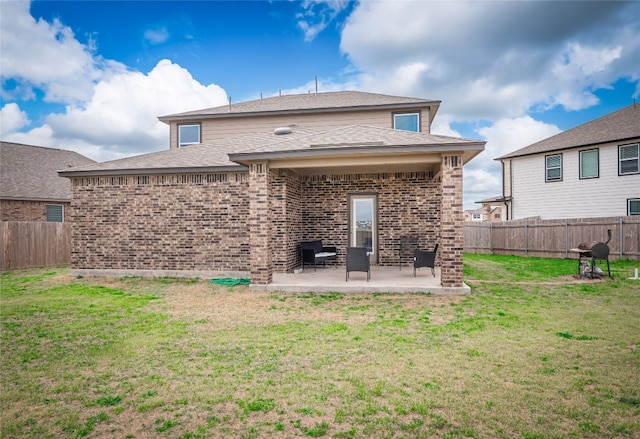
{"points": [[532, 353]]}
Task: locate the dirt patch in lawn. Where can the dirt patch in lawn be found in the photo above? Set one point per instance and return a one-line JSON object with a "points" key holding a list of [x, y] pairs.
{"points": [[219, 308]]}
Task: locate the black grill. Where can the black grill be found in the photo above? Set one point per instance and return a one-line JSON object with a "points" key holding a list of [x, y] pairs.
{"points": [[596, 251]]}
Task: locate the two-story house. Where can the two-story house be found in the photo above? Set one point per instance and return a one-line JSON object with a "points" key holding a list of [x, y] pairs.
{"points": [[242, 185], [30, 187], [592, 170]]}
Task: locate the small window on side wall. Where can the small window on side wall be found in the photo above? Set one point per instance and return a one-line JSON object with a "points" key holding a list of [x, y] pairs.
{"points": [[633, 206], [406, 122], [55, 213], [629, 159], [553, 167], [589, 166], [188, 135]]}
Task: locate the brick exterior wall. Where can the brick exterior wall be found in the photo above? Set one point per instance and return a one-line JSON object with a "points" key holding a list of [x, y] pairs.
{"points": [[408, 204], [193, 222], [165, 222], [452, 222], [286, 220], [23, 210]]}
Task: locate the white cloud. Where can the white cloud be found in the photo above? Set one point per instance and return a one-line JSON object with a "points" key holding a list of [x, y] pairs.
{"points": [[12, 118], [317, 14], [111, 112], [50, 58], [156, 36], [121, 118], [492, 60]]}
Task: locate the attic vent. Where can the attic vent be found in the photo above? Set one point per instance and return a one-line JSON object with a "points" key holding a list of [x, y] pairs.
{"points": [[282, 130]]}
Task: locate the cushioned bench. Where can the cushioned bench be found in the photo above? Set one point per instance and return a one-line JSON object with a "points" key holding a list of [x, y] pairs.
{"points": [[313, 252]]}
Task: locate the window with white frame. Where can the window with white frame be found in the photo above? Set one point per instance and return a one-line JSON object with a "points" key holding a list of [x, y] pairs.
{"points": [[477, 216], [406, 122], [55, 213], [629, 159], [553, 167], [188, 134], [589, 164], [633, 206]]}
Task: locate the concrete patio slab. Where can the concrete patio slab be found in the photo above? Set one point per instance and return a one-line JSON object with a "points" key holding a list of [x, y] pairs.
{"points": [[383, 280]]}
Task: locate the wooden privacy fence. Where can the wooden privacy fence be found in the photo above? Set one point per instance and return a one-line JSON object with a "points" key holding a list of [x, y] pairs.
{"points": [[553, 238], [34, 244]]}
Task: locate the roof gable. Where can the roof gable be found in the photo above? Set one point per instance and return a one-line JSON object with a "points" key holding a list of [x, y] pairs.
{"points": [[620, 125], [31, 172]]}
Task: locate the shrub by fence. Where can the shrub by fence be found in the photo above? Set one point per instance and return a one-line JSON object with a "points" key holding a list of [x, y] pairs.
{"points": [[34, 244], [553, 238]]}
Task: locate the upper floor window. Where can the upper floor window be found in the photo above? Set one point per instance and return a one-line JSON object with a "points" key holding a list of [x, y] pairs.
{"points": [[477, 216], [629, 159], [553, 167], [633, 206], [55, 213], [496, 216], [406, 121], [188, 134], [589, 166]]}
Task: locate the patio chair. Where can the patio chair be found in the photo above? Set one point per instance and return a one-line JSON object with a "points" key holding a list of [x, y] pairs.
{"points": [[313, 252], [424, 258], [358, 260]]}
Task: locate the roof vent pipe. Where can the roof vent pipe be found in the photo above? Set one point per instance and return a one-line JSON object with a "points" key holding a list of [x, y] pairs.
{"points": [[282, 130]]}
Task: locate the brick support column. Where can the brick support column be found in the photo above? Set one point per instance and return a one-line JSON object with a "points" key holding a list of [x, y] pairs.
{"points": [[260, 224], [486, 212], [451, 221]]}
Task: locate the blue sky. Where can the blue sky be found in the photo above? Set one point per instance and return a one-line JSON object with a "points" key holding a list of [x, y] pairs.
{"points": [[93, 76]]}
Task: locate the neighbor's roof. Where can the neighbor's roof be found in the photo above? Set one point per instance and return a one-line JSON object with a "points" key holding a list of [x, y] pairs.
{"points": [[31, 172], [618, 126], [229, 154], [301, 103]]}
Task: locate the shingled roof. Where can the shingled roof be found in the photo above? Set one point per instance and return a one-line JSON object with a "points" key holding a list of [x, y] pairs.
{"points": [[619, 126], [31, 172], [301, 103], [218, 155]]}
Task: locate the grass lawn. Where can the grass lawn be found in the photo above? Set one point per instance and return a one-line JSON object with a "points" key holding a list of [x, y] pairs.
{"points": [[533, 353]]}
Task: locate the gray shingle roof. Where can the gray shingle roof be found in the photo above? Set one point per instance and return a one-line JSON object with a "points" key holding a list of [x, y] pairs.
{"points": [[214, 156], [361, 136], [355, 100], [31, 172], [210, 157], [620, 125]]}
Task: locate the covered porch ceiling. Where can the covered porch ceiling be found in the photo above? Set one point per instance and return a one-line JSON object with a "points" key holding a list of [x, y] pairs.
{"points": [[355, 160]]}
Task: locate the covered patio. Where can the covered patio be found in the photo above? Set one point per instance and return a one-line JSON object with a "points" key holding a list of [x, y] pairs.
{"points": [[383, 280], [311, 189]]}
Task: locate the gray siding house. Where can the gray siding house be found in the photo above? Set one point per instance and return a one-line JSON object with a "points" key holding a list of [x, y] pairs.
{"points": [[592, 170]]}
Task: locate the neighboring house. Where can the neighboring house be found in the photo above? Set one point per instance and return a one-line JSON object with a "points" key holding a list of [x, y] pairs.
{"points": [[487, 214], [592, 170], [30, 187], [243, 184]]}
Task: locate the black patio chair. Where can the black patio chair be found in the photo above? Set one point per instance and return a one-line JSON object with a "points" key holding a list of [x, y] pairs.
{"points": [[358, 260], [424, 258]]}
